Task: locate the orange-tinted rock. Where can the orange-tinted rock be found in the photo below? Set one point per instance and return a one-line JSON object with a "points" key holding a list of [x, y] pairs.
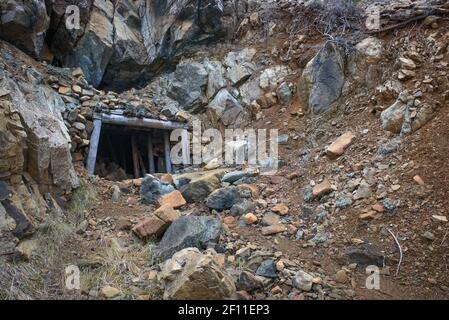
{"points": [[156, 224], [173, 199], [251, 187], [338, 147], [229, 220], [278, 228], [280, 209], [167, 178], [419, 180], [322, 188], [250, 218]]}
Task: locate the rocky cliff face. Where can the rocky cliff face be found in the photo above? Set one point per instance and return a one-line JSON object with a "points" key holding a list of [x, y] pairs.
{"points": [[119, 43]]}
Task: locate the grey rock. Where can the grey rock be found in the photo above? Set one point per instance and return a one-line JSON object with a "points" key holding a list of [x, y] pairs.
{"points": [[233, 176], [238, 65], [224, 108], [303, 281], [343, 202], [223, 198], [152, 189], [216, 80], [116, 192], [322, 81], [390, 205], [187, 232], [187, 85], [285, 93], [24, 24], [364, 255], [249, 282], [283, 139], [243, 207], [267, 269]]}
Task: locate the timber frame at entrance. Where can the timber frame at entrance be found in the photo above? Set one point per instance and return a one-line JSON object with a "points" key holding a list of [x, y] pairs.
{"points": [[119, 119]]}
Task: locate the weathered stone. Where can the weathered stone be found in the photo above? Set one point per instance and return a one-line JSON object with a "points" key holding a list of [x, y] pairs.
{"points": [[303, 281], [322, 189], [371, 48], [234, 176], [249, 282], [270, 219], [173, 199], [364, 255], [187, 85], [274, 229], [280, 209], [185, 232], [24, 24], [250, 218], [156, 224], [224, 109], [341, 276], [323, 78], [196, 187], [238, 65], [243, 207], [223, 198], [189, 274], [152, 189], [216, 80], [338, 147], [109, 292], [267, 269]]}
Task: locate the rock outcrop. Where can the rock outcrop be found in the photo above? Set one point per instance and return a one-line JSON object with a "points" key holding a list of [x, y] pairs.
{"points": [[322, 81], [118, 43]]}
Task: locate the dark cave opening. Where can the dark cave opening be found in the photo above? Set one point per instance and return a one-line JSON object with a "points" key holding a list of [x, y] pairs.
{"points": [[124, 152]]}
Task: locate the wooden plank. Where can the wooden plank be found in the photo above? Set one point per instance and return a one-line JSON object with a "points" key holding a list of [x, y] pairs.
{"points": [[140, 122], [93, 147], [135, 156], [168, 166], [150, 155]]}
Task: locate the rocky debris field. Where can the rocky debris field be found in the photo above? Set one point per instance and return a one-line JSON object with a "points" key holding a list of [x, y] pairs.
{"points": [[363, 141]]}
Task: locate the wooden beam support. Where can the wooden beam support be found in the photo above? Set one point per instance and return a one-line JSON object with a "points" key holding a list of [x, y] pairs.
{"points": [[135, 157], [168, 166], [93, 147], [151, 167], [142, 164], [140, 122]]}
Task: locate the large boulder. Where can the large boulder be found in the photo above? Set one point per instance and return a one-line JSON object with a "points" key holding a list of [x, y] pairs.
{"points": [[216, 80], [186, 232], [239, 66], [187, 85], [192, 275], [224, 109], [323, 78], [195, 187]]}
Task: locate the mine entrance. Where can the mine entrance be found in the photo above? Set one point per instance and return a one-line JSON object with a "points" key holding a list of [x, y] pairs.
{"points": [[122, 147]]}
